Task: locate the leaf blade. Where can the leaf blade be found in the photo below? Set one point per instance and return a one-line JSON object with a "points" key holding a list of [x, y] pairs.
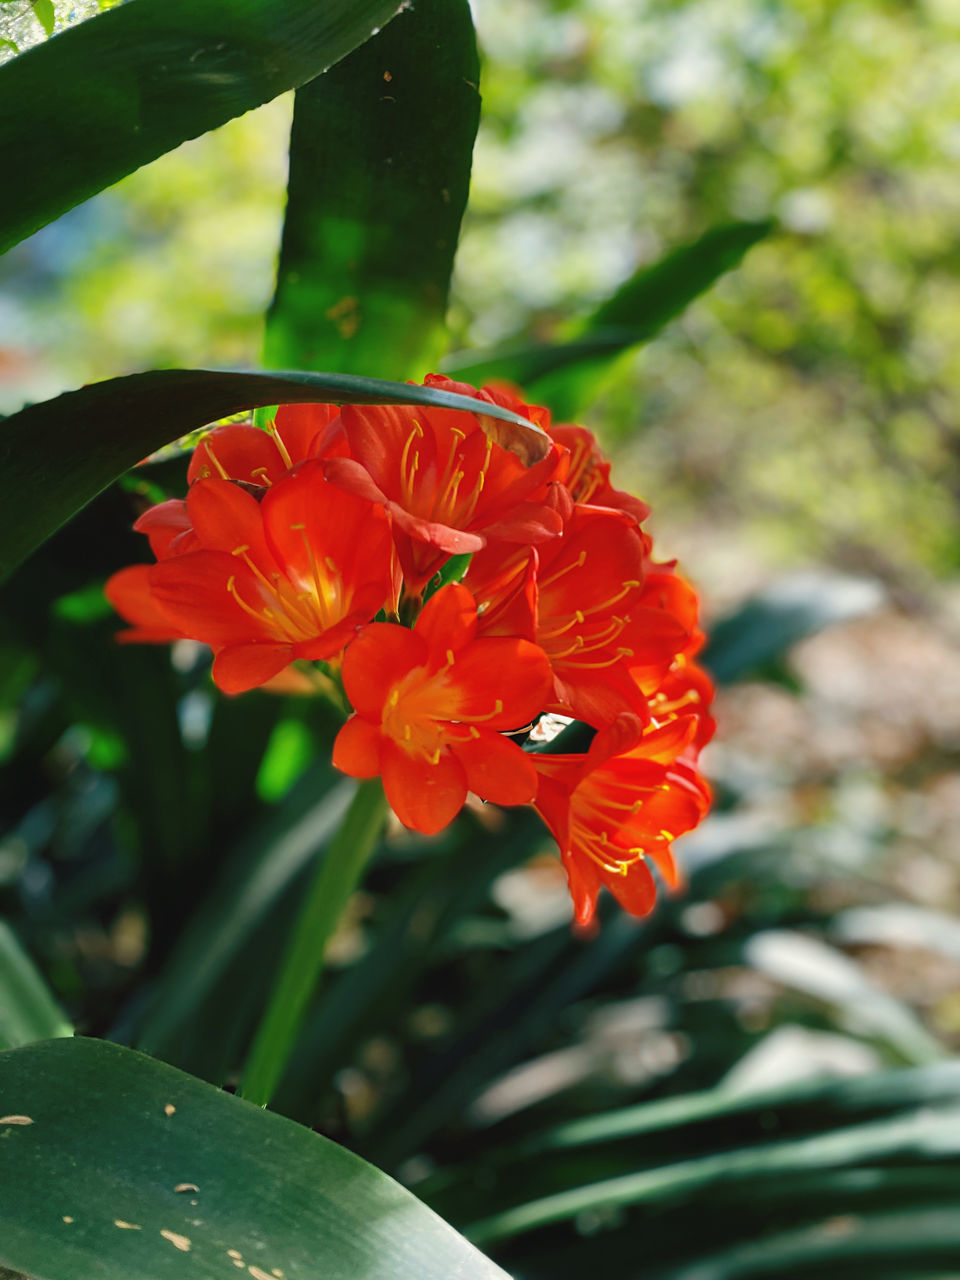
{"points": [[559, 371], [374, 206], [121, 89], [56, 456], [114, 1134], [28, 1010]]}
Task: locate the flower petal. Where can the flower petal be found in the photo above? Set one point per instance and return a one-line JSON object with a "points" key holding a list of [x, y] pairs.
{"points": [[200, 594], [501, 681], [425, 797], [380, 656], [244, 666], [448, 621], [496, 769], [130, 593], [226, 518], [356, 748]]}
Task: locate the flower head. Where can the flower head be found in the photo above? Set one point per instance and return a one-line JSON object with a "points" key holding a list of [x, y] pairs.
{"points": [[264, 583], [430, 704], [449, 486], [618, 808], [293, 543]]}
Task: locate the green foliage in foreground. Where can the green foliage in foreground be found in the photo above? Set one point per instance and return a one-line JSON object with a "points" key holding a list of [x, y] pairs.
{"points": [[117, 1165]]}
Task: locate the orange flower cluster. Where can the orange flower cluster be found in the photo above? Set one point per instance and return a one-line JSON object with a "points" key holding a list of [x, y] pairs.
{"points": [[457, 587]]}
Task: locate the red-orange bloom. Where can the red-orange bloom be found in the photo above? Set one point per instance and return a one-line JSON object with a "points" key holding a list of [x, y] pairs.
{"points": [[290, 577], [448, 485], [429, 704], [619, 807], [587, 473], [578, 591], [258, 458]]}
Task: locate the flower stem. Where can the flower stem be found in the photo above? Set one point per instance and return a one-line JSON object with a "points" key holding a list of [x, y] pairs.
{"points": [[337, 877]]}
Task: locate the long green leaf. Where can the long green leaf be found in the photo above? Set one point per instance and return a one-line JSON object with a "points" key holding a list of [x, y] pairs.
{"points": [[560, 373], [374, 205], [83, 109], [28, 1010], [56, 456], [120, 1166], [246, 894], [933, 1134]]}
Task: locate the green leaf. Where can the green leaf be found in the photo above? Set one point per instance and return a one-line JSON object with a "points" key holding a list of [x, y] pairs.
{"points": [[933, 1133], [80, 111], [44, 13], [28, 1011], [56, 456], [91, 1183], [561, 374], [246, 893], [374, 205], [336, 879], [769, 623]]}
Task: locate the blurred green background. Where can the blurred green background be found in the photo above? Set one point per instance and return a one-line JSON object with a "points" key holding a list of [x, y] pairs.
{"points": [[796, 435]]}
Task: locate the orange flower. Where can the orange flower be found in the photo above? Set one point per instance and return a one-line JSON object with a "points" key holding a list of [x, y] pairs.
{"points": [[576, 592], [448, 485], [430, 703], [617, 808], [268, 582], [587, 473], [259, 458]]}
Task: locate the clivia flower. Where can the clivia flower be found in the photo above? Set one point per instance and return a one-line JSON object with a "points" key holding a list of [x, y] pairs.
{"points": [[617, 809], [430, 707], [319, 541], [265, 583], [448, 485]]}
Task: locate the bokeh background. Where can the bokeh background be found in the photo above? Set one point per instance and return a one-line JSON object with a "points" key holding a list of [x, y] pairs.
{"points": [[796, 434]]}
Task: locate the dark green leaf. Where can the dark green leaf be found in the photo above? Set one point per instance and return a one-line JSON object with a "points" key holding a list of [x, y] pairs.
{"points": [[374, 205], [128, 1167], [99, 100], [561, 373], [933, 1134], [56, 456]]}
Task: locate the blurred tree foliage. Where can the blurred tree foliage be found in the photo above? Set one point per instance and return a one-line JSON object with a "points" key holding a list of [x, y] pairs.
{"points": [[613, 129]]}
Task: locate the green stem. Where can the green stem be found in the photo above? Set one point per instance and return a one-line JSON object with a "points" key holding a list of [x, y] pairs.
{"points": [[337, 877]]}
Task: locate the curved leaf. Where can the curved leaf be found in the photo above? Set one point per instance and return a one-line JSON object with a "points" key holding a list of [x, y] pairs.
{"points": [[128, 1167], [92, 104], [374, 206], [56, 456], [28, 1011], [562, 373]]}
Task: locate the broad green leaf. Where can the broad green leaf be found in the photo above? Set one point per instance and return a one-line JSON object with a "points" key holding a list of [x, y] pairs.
{"points": [[28, 1010], [769, 623], [121, 1166], [56, 456], [374, 204], [561, 374], [99, 100]]}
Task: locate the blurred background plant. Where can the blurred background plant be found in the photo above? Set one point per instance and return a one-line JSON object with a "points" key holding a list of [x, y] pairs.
{"points": [[571, 1102]]}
